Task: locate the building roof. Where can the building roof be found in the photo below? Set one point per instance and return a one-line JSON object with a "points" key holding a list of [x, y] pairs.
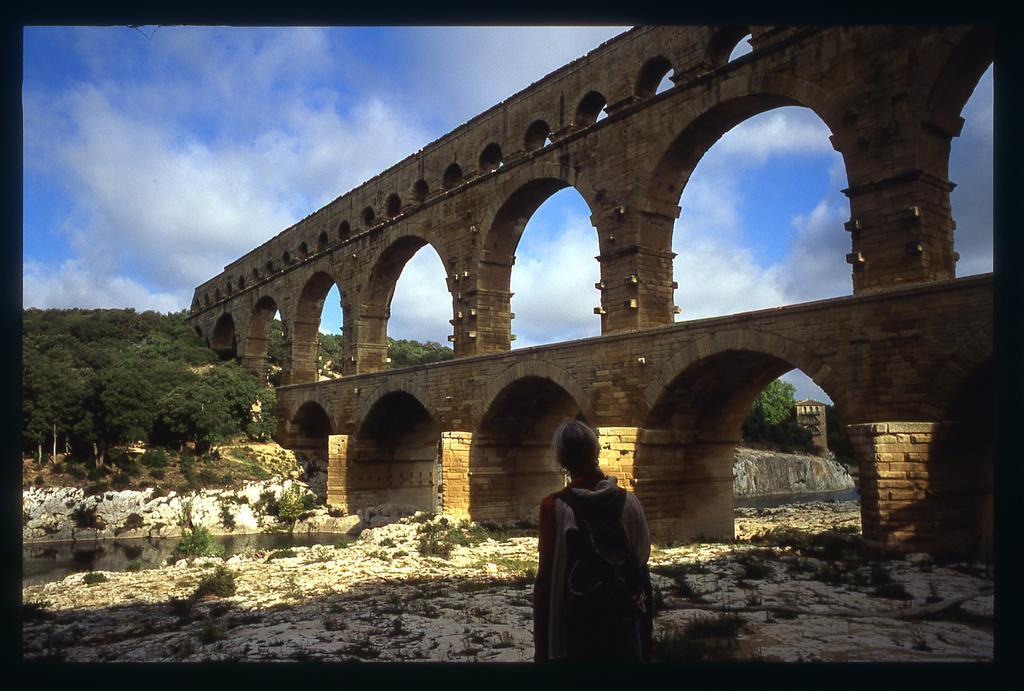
{"points": [[810, 401]]}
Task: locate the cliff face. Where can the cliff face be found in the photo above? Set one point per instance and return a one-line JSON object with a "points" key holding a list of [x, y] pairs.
{"points": [[758, 472]]}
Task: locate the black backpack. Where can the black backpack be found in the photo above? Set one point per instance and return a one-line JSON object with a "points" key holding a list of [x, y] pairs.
{"points": [[605, 594]]}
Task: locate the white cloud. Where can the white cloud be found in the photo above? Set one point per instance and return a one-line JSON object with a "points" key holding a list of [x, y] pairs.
{"points": [[718, 277], [152, 194], [470, 69], [815, 266], [422, 305], [554, 285], [970, 167], [72, 285], [790, 130]]}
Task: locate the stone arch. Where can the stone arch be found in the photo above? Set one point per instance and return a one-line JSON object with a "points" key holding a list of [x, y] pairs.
{"points": [[651, 73], [491, 158], [511, 462], [305, 324], [308, 428], [413, 389], [503, 227], [257, 337], [224, 338], [532, 368], [452, 176], [702, 121], [695, 408], [961, 69], [752, 341], [589, 109], [371, 327], [969, 356], [310, 401], [722, 43], [394, 450], [536, 134]]}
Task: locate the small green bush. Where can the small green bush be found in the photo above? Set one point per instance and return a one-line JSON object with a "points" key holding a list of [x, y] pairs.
{"points": [[286, 553], [440, 539], [220, 583], [196, 542], [39, 480], [155, 458], [134, 566], [293, 503], [343, 542], [94, 577]]}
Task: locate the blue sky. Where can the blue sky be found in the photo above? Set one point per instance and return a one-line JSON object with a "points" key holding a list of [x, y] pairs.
{"points": [[154, 158]]}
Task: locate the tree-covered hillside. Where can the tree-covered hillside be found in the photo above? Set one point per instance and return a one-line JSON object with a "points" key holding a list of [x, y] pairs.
{"points": [[94, 380]]}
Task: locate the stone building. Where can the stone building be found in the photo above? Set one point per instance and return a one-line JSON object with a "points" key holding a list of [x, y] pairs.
{"points": [[810, 414]]}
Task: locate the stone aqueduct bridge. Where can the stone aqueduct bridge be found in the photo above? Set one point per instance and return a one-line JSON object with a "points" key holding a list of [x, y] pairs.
{"points": [[906, 358]]}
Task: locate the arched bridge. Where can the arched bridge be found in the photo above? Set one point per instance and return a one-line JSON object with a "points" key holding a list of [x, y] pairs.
{"points": [[906, 358]]}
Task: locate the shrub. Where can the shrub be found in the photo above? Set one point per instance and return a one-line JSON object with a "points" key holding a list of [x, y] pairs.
{"points": [[287, 553], [293, 503], [343, 542], [94, 577], [39, 480], [134, 566], [227, 518], [440, 538], [220, 583], [267, 503], [155, 458], [133, 522], [196, 542], [85, 517]]}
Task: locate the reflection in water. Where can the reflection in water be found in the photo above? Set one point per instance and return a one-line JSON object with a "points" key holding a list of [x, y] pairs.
{"points": [[44, 563]]}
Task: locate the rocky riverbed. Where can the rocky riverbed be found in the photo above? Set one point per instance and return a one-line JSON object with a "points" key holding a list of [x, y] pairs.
{"points": [[794, 586]]}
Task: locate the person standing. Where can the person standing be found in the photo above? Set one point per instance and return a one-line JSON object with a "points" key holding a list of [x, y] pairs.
{"points": [[592, 597]]}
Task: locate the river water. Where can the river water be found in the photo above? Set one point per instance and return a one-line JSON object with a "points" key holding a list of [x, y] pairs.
{"points": [[52, 561]]}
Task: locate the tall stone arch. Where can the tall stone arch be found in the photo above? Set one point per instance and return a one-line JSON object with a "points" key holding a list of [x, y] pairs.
{"points": [[369, 325]]}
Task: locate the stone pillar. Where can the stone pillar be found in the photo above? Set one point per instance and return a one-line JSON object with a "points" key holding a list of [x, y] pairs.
{"points": [[685, 486], [370, 340], [302, 364], [455, 473], [617, 453], [636, 269], [913, 500], [337, 471], [901, 230]]}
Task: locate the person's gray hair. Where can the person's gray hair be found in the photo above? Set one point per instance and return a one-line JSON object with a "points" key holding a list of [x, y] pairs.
{"points": [[575, 446]]}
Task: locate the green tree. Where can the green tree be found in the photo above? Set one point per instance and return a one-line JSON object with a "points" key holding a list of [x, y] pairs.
{"points": [[198, 412], [405, 353], [264, 423], [330, 353], [772, 418]]}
